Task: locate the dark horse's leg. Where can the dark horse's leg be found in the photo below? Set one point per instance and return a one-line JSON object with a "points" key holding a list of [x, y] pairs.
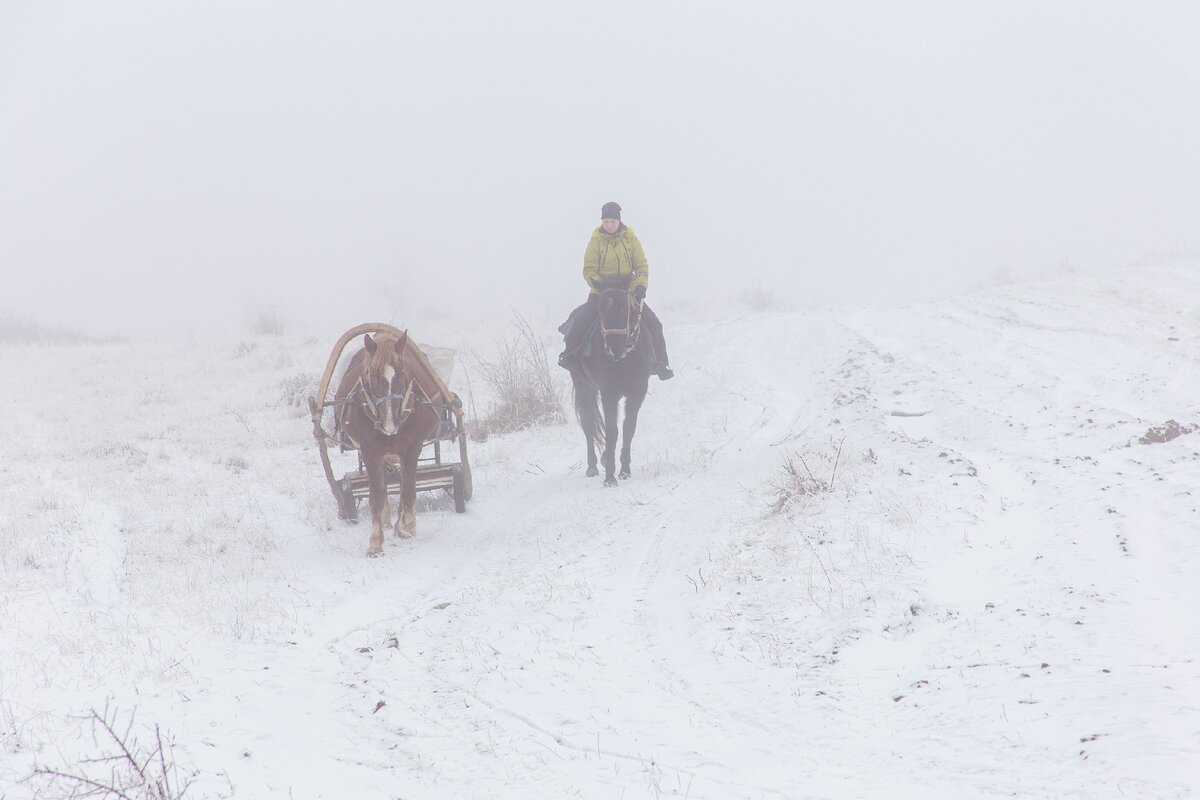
{"points": [[592, 470], [588, 411], [632, 404], [610, 401], [377, 483]]}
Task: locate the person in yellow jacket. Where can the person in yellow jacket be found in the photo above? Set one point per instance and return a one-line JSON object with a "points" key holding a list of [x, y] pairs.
{"points": [[614, 250]]}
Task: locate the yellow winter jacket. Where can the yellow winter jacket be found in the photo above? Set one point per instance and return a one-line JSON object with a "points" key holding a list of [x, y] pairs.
{"points": [[617, 254]]}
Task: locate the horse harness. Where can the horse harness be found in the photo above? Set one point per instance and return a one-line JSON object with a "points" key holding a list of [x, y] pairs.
{"points": [[370, 405], [632, 330]]}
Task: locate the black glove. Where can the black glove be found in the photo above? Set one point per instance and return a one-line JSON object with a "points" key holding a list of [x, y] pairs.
{"points": [[594, 284], [639, 293]]}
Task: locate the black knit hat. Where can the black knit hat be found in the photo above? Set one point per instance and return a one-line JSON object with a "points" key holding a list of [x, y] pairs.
{"points": [[611, 211]]}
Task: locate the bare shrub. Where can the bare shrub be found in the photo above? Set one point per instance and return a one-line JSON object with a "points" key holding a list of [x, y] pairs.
{"points": [[523, 393], [267, 322], [121, 767], [797, 479], [758, 298]]}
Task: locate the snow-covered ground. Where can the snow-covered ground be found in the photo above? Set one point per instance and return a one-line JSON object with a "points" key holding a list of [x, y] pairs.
{"points": [[977, 582]]}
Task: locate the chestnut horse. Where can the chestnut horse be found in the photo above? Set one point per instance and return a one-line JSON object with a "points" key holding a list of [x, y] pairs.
{"points": [[384, 410], [617, 366]]}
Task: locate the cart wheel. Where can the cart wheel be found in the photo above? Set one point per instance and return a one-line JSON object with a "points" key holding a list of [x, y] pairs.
{"points": [[460, 490], [347, 504]]}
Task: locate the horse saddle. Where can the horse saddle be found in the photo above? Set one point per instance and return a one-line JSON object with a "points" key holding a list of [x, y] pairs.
{"points": [[578, 341]]}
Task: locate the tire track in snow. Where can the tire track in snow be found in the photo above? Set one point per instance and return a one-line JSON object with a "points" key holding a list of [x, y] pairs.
{"points": [[668, 640], [642, 562]]}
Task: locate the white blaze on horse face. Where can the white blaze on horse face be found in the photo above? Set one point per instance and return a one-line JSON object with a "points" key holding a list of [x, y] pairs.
{"points": [[389, 426]]}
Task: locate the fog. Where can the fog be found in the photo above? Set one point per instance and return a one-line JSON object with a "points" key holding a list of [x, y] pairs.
{"points": [[181, 166]]}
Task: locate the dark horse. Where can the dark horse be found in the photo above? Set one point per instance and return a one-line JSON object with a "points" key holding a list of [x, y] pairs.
{"points": [[617, 365], [384, 410]]}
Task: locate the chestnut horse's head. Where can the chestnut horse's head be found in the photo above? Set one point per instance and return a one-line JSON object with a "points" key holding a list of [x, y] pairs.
{"points": [[384, 385], [620, 316]]}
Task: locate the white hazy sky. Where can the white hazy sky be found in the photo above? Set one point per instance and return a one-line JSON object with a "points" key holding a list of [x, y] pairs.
{"points": [[179, 163]]}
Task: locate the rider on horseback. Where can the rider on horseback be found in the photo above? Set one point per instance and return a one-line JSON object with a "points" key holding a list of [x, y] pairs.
{"points": [[614, 250]]}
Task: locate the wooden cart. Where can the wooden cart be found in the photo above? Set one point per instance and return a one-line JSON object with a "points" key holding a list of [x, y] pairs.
{"points": [[433, 472]]}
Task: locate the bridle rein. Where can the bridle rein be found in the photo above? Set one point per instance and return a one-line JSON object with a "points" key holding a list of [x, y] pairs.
{"points": [[633, 324]]}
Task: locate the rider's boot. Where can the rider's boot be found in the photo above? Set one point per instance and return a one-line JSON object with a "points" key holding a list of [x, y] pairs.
{"points": [[662, 366]]}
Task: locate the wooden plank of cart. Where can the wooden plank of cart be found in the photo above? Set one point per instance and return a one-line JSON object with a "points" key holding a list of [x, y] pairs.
{"points": [[434, 473]]}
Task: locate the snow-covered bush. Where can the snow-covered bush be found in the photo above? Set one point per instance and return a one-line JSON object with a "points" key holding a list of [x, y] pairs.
{"points": [[295, 391], [520, 385]]}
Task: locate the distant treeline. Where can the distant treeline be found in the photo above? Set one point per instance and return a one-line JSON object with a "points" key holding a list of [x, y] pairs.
{"points": [[19, 330]]}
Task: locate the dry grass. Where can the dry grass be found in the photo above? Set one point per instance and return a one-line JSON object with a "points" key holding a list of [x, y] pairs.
{"points": [[797, 478], [523, 393], [295, 391]]}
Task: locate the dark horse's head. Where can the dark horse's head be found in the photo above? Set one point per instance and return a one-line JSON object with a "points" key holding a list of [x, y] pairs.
{"points": [[620, 316], [384, 387]]}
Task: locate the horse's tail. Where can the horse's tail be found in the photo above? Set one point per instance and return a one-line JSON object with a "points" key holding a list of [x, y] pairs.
{"points": [[587, 409]]}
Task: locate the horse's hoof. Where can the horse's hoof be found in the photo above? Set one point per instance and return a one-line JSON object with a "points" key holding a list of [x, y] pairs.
{"points": [[403, 534], [592, 472], [610, 482], [375, 553], [624, 474]]}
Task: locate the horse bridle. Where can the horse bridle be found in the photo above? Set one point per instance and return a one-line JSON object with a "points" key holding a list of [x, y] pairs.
{"points": [[631, 331], [371, 404]]}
